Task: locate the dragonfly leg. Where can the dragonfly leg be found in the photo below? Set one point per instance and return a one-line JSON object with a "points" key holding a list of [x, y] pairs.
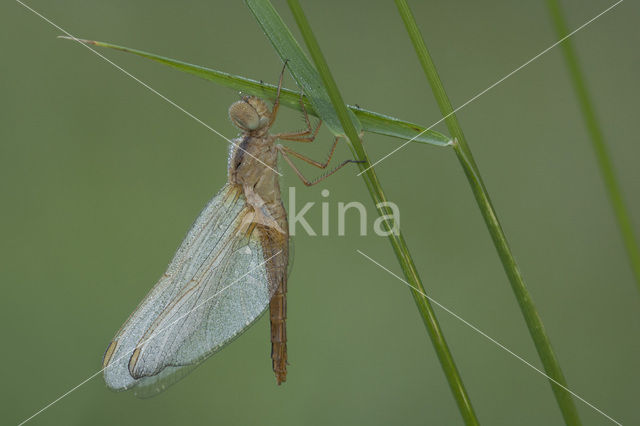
{"points": [[307, 135], [285, 151], [276, 103]]}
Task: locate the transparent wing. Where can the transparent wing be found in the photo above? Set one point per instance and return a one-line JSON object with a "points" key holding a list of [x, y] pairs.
{"points": [[217, 285]]}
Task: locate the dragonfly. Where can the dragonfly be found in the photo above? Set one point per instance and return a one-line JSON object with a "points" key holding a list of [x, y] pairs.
{"points": [[230, 267]]}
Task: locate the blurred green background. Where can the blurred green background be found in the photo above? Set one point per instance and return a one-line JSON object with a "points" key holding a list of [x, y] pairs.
{"points": [[100, 180]]}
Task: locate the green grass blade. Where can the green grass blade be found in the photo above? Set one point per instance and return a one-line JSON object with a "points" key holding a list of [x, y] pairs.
{"points": [[598, 143], [527, 307], [304, 73], [371, 121], [264, 12], [381, 124]]}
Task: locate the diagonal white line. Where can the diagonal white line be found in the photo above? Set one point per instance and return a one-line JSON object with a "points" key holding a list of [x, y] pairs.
{"points": [[153, 335], [495, 84], [143, 84], [492, 340]]}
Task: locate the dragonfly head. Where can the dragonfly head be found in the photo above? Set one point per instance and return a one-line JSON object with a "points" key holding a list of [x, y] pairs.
{"points": [[250, 114]]}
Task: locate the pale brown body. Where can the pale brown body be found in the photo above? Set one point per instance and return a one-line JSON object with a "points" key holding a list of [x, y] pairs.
{"points": [[253, 166], [261, 188], [188, 315]]}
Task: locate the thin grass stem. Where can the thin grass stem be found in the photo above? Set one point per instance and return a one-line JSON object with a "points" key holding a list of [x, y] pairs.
{"points": [[465, 157], [598, 143], [397, 241]]}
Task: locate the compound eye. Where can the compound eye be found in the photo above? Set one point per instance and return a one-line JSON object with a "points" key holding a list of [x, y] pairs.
{"points": [[244, 116]]}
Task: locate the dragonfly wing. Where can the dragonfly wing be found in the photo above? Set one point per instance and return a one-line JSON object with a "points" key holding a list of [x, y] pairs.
{"points": [[218, 284], [147, 387]]}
